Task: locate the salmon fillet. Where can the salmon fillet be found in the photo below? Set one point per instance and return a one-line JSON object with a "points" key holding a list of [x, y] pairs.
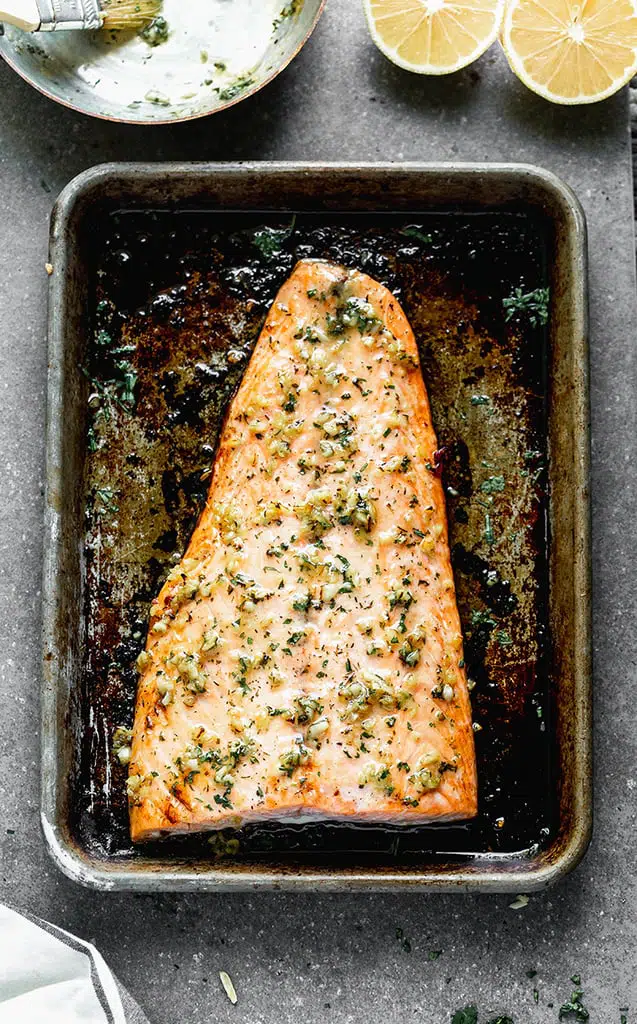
{"points": [[304, 660]]}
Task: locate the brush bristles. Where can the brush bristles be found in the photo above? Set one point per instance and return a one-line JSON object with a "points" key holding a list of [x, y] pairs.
{"points": [[129, 14]]}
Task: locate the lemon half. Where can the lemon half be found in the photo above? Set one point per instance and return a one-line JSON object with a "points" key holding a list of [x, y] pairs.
{"points": [[434, 37], [572, 52]]}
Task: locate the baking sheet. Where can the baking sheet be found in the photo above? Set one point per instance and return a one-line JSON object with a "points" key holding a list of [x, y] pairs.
{"points": [[176, 298]]}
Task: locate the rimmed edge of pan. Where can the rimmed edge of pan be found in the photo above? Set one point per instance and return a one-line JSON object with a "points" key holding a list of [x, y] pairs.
{"points": [[479, 186]]}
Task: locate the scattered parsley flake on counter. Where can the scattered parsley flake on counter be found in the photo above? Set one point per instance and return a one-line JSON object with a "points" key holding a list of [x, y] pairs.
{"points": [[405, 943], [574, 1009], [434, 954], [519, 902], [467, 1016], [228, 987]]}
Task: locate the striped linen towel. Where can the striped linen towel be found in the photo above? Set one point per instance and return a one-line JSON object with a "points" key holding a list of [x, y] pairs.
{"points": [[50, 977]]}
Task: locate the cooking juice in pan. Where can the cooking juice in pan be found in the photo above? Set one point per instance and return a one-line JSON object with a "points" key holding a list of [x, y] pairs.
{"points": [[180, 300]]}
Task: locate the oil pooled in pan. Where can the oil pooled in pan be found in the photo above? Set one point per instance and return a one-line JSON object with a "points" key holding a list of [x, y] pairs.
{"points": [[180, 300]]}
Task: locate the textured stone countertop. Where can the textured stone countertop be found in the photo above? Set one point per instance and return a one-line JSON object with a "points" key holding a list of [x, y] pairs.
{"points": [[316, 957]]}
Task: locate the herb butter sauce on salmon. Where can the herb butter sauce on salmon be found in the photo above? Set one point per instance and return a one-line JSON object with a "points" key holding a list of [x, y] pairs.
{"points": [[304, 659]]}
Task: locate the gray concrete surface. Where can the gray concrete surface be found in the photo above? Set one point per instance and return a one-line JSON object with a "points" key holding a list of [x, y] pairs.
{"points": [[320, 958]]}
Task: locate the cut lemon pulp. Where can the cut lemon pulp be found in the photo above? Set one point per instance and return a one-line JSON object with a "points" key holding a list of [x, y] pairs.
{"points": [[572, 52], [434, 37]]}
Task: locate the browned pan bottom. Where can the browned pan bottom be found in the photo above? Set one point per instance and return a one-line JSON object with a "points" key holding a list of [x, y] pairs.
{"points": [[178, 301]]}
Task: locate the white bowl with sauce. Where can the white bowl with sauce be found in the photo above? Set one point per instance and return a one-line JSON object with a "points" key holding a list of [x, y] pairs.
{"points": [[205, 56]]}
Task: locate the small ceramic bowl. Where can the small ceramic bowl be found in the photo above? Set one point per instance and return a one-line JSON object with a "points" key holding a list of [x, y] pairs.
{"points": [[204, 56]]}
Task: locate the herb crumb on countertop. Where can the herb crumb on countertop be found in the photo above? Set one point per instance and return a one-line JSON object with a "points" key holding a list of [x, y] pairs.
{"points": [[228, 986], [573, 1009], [469, 1015]]}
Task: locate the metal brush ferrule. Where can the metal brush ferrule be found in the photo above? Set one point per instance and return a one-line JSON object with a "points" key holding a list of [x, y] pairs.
{"points": [[68, 14]]}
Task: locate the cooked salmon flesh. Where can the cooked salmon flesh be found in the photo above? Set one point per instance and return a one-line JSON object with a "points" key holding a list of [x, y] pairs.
{"points": [[304, 659]]}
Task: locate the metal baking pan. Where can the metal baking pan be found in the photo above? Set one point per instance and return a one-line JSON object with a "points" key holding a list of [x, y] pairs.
{"points": [[159, 271]]}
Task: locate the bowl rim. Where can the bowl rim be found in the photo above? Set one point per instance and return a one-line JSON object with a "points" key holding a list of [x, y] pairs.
{"points": [[168, 120]]}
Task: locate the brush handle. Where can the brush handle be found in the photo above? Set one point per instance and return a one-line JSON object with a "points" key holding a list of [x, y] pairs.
{"points": [[51, 15], [24, 14]]}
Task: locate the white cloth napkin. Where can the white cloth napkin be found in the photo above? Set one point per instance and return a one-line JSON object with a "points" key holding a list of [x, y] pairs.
{"points": [[50, 977]]}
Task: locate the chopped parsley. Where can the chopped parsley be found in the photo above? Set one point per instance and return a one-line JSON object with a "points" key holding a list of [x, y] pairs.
{"points": [[288, 11], [234, 89], [354, 313], [469, 1015], [489, 535], [270, 241], [156, 32], [574, 1008], [411, 231], [104, 502], [532, 306], [492, 485], [223, 844]]}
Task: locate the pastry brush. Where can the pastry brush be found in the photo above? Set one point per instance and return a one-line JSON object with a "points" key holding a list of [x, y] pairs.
{"points": [[51, 15]]}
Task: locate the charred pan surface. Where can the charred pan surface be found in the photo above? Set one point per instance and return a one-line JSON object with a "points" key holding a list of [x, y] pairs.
{"points": [[180, 301]]}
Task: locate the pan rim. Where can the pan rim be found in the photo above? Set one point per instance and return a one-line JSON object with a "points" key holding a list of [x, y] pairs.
{"points": [[567, 850]]}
